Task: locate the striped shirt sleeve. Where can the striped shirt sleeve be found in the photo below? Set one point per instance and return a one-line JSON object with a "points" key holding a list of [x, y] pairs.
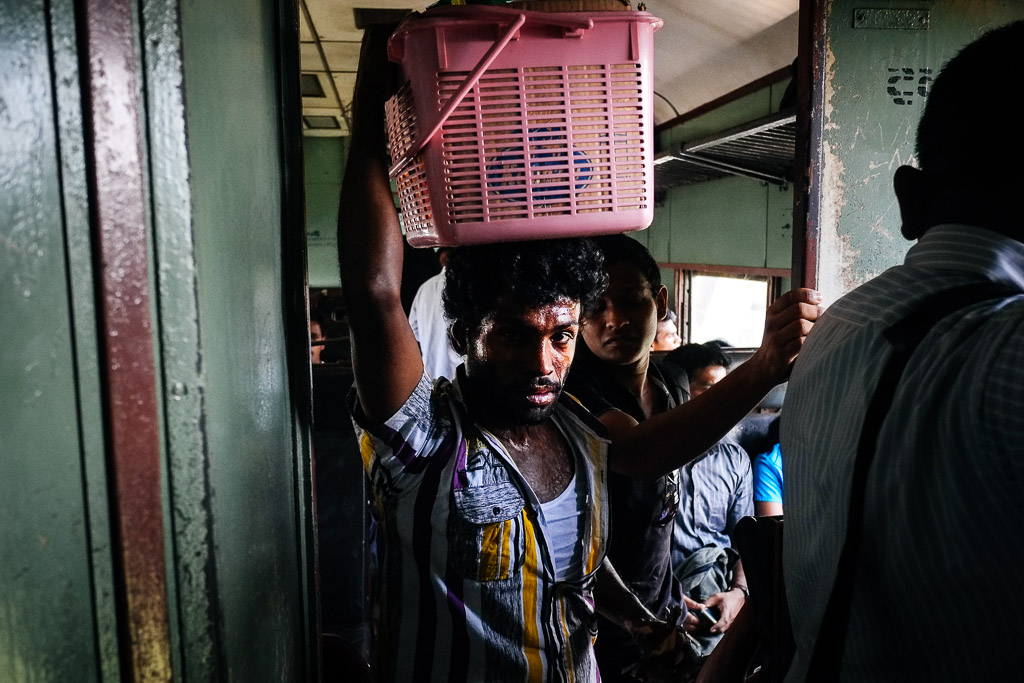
{"points": [[396, 452]]}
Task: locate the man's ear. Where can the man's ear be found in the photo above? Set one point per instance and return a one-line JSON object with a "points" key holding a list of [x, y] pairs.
{"points": [[662, 300], [911, 189], [458, 338]]}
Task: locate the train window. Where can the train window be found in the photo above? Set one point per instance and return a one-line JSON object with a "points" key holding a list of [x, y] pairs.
{"points": [[724, 305], [728, 307]]}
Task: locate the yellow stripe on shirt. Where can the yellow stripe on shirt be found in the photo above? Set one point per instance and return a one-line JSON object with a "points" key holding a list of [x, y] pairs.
{"points": [[594, 451], [531, 633], [366, 450]]}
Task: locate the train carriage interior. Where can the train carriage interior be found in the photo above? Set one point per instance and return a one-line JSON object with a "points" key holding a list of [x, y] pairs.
{"points": [[184, 496]]}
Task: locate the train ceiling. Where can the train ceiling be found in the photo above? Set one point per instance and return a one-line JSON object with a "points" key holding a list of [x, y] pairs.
{"points": [[706, 49]]}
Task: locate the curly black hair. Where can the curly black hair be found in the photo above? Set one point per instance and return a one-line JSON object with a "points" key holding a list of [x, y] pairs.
{"points": [[533, 273], [624, 249]]}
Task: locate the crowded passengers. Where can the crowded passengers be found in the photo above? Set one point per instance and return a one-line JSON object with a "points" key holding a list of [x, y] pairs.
{"points": [[492, 485], [528, 502]]}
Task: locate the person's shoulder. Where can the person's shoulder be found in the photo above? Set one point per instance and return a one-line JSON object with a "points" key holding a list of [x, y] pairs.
{"points": [[730, 449], [588, 386], [771, 459], [433, 285], [574, 407], [430, 401], [675, 378]]}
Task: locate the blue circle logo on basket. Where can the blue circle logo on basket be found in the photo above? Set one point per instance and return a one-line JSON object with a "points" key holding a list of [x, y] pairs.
{"points": [[549, 167]]}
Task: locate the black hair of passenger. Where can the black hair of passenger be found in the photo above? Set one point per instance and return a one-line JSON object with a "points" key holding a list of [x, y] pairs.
{"points": [[693, 357], [533, 273], [619, 249], [969, 128]]}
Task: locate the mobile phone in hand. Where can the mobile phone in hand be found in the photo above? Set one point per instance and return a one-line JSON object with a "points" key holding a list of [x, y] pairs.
{"points": [[706, 617]]}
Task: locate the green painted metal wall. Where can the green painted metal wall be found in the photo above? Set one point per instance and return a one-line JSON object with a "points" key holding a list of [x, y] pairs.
{"points": [[324, 160], [57, 615], [732, 221], [236, 497], [253, 466], [866, 116]]}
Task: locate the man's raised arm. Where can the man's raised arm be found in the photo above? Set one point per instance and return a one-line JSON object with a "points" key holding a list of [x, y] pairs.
{"points": [[672, 439], [385, 356]]}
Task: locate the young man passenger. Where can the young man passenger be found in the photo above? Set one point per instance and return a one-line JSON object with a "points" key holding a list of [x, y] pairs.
{"points": [[492, 488], [613, 376]]}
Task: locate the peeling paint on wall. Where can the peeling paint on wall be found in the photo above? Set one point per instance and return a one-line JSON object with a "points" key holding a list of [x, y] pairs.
{"points": [[874, 87]]}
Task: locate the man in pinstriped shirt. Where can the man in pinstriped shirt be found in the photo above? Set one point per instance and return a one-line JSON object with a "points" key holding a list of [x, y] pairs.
{"points": [[716, 489], [937, 594]]}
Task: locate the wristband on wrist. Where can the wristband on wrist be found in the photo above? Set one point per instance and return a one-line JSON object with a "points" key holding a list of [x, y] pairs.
{"points": [[746, 592]]}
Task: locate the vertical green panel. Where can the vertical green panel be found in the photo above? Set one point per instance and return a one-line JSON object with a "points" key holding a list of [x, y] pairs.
{"points": [[324, 160], [779, 227], [643, 237], [191, 570], [47, 613], [777, 91], [84, 325], [872, 102], [236, 173], [658, 237], [733, 221], [720, 222]]}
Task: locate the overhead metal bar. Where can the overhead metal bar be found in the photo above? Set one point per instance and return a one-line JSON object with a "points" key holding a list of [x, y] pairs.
{"points": [[762, 150], [732, 169], [744, 132]]}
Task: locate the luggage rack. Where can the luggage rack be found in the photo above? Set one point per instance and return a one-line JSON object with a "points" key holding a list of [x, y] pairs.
{"points": [[762, 150]]}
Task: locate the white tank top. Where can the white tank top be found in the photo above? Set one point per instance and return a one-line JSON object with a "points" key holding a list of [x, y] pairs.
{"points": [[562, 525]]}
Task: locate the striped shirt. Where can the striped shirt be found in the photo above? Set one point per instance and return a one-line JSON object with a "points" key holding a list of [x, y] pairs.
{"points": [[715, 493], [937, 594], [468, 583]]}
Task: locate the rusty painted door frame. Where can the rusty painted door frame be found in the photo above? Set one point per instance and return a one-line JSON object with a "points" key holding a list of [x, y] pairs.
{"points": [[117, 191]]}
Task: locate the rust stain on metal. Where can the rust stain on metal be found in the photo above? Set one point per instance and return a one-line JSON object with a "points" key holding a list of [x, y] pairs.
{"points": [[119, 223]]}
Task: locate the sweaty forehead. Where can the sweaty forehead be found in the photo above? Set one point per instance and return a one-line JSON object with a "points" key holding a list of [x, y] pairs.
{"points": [[554, 314]]}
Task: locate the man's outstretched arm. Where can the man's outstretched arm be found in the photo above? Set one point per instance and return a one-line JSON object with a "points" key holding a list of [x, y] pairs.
{"points": [[668, 441], [385, 357]]}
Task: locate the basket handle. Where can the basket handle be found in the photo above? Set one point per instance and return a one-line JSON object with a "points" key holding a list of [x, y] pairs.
{"points": [[456, 99], [500, 15]]}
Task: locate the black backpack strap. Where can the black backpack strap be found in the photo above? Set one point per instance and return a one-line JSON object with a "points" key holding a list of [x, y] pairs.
{"points": [[904, 336]]}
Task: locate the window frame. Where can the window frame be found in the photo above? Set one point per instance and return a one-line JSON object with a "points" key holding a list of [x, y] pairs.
{"points": [[683, 282]]}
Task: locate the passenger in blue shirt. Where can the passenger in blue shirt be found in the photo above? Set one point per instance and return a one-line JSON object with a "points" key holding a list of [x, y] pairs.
{"points": [[768, 483]]}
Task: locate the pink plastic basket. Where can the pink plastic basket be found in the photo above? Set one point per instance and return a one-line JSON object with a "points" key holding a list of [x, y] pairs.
{"points": [[518, 125]]}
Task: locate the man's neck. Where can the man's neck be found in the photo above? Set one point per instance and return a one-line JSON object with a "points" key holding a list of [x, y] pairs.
{"points": [[635, 378], [632, 376], [517, 436], [539, 451]]}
